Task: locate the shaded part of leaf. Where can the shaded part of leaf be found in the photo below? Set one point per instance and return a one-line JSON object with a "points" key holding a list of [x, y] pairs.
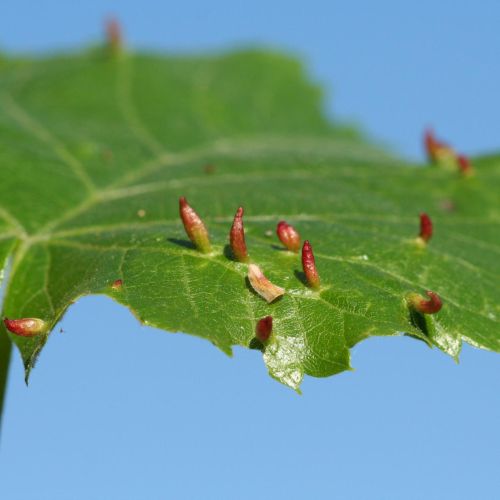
{"points": [[256, 344], [420, 321], [301, 276], [182, 243], [283, 357]]}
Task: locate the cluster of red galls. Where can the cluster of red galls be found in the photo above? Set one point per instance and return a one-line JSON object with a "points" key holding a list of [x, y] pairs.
{"points": [[289, 236], [438, 152]]}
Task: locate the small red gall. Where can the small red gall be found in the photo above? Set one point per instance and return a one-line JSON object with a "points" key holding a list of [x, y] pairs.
{"points": [[464, 165], [438, 152], [425, 228], [425, 306], [447, 205], [209, 169], [264, 328], [309, 265], [114, 37], [267, 290], [195, 229], [288, 235], [107, 155], [117, 285], [430, 144], [237, 237], [26, 327]]}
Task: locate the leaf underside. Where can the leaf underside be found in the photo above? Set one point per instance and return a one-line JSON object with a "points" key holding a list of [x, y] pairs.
{"points": [[95, 152]]}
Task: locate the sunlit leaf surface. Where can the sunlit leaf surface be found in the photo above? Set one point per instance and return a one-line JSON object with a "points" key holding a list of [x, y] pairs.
{"points": [[96, 150]]}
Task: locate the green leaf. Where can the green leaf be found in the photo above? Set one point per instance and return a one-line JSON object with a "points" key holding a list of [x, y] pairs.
{"points": [[96, 150]]}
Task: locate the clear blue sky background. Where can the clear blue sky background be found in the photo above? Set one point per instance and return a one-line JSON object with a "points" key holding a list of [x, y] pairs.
{"points": [[115, 410]]}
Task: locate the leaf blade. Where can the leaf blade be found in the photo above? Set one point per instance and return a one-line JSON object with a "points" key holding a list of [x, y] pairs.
{"points": [[119, 220]]}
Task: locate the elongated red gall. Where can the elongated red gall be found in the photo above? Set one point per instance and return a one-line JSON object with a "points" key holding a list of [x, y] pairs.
{"points": [[431, 144], [26, 327], [195, 229], [425, 306], [464, 165], [264, 328], [425, 228], [288, 235], [309, 265], [267, 290], [114, 37], [209, 168], [237, 237]]}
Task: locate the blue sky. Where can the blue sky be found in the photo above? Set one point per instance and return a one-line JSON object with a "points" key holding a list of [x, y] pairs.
{"points": [[115, 410]]}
